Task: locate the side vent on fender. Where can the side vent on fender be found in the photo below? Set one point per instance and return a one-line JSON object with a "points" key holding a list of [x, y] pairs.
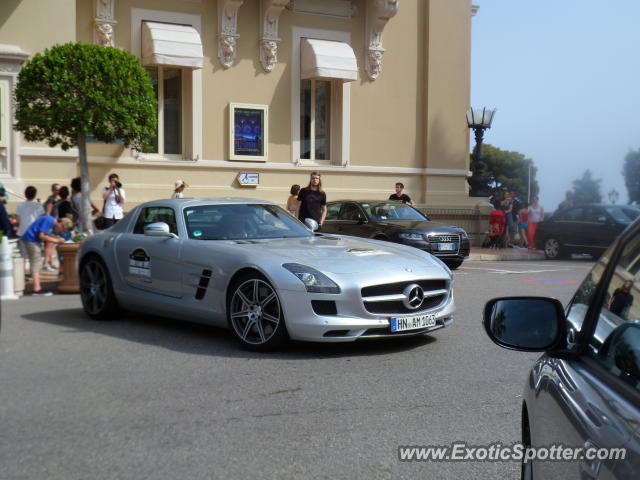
{"points": [[203, 284]]}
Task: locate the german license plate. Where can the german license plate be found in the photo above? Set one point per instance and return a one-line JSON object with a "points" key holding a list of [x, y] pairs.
{"points": [[447, 246], [400, 324]]}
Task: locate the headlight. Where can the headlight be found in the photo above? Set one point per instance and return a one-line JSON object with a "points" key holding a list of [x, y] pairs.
{"points": [[410, 236], [314, 281]]}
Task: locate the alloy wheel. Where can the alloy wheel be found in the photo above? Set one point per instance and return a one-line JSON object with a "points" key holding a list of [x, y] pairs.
{"points": [[255, 312], [552, 248], [94, 289]]}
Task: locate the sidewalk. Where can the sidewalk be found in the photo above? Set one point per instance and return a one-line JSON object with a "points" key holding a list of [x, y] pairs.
{"points": [[495, 254]]}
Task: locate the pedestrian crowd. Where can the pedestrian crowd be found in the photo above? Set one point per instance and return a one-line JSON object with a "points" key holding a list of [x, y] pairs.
{"points": [[520, 220]]}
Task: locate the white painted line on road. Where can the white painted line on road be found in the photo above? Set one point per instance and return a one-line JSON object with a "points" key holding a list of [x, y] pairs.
{"points": [[503, 271]]}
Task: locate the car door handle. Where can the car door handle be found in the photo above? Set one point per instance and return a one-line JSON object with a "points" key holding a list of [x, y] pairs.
{"points": [[590, 468]]}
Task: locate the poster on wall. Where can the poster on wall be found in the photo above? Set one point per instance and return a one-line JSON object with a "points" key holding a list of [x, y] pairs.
{"points": [[248, 128]]}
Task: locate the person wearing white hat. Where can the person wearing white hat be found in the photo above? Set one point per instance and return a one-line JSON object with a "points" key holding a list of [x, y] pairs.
{"points": [[179, 187]]}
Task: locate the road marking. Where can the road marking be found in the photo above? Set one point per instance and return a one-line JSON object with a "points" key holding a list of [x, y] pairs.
{"points": [[503, 271], [549, 280]]}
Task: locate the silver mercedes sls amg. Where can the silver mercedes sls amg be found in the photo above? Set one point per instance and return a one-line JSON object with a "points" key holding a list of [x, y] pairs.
{"points": [[249, 265]]}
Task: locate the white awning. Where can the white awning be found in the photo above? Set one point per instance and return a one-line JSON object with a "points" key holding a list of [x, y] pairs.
{"points": [[327, 59], [171, 45]]}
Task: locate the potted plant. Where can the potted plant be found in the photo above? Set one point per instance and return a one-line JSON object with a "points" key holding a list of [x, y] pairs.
{"points": [[70, 282]]}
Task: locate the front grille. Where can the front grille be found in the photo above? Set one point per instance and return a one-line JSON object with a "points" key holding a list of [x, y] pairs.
{"points": [[398, 307], [394, 288], [434, 240], [435, 294]]}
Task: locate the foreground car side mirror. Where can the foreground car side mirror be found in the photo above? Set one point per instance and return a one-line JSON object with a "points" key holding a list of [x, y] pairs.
{"points": [[531, 324], [158, 229]]}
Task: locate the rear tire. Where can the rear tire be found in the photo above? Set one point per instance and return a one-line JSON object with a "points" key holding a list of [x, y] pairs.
{"points": [[96, 290], [553, 248], [255, 315]]}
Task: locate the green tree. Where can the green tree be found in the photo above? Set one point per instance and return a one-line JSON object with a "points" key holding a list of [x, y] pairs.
{"points": [[631, 174], [74, 90], [586, 189], [509, 170]]}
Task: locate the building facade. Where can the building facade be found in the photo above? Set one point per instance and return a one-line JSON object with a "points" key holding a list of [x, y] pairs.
{"points": [[253, 95]]}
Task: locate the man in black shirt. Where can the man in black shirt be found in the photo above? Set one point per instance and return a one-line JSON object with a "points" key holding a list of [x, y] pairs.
{"points": [[401, 197], [312, 201]]}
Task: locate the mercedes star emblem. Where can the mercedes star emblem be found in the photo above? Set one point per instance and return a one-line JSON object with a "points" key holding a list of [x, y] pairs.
{"points": [[413, 296]]}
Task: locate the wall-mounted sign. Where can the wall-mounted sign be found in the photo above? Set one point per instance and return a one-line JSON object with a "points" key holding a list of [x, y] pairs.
{"points": [[249, 179], [248, 131]]}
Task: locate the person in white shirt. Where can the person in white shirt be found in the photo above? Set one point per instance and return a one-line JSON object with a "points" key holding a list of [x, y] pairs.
{"points": [[180, 185], [536, 215], [114, 198], [28, 212]]}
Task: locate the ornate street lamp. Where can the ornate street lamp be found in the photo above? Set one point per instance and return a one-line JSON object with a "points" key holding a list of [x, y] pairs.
{"points": [[479, 120], [613, 196]]}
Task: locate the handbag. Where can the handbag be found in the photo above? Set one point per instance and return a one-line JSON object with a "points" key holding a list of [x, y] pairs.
{"points": [[100, 223]]}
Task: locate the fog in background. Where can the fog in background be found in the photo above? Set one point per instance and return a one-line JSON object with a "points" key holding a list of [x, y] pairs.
{"points": [[565, 78]]}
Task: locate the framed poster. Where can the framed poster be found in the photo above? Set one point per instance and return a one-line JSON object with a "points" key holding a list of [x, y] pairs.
{"points": [[248, 131]]}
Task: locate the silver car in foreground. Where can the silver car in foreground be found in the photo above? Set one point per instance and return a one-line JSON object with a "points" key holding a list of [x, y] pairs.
{"points": [[249, 265]]}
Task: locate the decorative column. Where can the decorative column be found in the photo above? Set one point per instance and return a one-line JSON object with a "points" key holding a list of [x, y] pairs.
{"points": [[271, 10], [228, 30], [105, 22], [379, 12]]}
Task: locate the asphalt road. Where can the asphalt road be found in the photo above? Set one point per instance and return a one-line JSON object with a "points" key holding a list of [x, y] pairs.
{"points": [[143, 397]]}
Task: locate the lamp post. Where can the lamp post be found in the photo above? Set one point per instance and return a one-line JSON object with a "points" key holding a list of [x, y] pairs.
{"points": [[613, 196], [479, 120]]}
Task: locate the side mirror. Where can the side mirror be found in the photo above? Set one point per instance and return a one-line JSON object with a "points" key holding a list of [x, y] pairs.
{"points": [[533, 324], [311, 224], [158, 229]]}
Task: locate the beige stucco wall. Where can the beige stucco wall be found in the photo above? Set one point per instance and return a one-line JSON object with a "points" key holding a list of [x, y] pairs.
{"points": [[34, 25], [410, 119]]}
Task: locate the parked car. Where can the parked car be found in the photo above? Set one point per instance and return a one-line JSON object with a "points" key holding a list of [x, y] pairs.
{"points": [[584, 391], [587, 228], [400, 223], [251, 266]]}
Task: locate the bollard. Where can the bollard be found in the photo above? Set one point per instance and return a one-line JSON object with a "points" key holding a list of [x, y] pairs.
{"points": [[6, 271]]}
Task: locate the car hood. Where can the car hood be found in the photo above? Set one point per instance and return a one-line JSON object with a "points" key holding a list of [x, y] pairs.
{"points": [[342, 254], [423, 226]]}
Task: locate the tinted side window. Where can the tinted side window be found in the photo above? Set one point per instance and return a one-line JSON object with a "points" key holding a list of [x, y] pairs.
{"points": [[616, 341], [595, 214], [151, 215], [351, 212], [333, 210], [574, 214]]}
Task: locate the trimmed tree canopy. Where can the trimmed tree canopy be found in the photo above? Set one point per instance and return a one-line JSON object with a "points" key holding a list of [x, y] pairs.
{"points": [[76, 89]]}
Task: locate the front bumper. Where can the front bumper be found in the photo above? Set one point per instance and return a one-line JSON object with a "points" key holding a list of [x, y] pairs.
{"points": [[351, 321], [461, 253]]}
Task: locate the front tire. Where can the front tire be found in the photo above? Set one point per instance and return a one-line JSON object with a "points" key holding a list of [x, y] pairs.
{"points": [[96, 290], [255, 314], [552, 248]]}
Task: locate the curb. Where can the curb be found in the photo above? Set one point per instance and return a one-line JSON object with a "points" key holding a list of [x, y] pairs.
{"points": [[506, 254]]}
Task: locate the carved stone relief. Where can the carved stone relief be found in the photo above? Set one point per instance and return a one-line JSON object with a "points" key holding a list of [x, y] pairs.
{"points": [[105, 23], [379, 12], [228, 30], [271, 10]]}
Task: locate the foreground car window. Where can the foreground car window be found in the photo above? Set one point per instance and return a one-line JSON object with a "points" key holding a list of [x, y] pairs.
{"points": [[241, 222], [393, 211], [616, 342]]}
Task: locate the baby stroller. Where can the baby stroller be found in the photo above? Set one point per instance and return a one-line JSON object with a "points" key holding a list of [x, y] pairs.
{"points": [[497, 229]]}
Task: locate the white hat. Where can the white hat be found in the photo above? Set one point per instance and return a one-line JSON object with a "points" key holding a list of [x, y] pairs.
{"points": [[179, 183]]}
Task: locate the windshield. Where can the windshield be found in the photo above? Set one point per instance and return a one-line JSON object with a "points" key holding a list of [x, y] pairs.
{"points": [[394, 211], [241, 222], [623, 214]]}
